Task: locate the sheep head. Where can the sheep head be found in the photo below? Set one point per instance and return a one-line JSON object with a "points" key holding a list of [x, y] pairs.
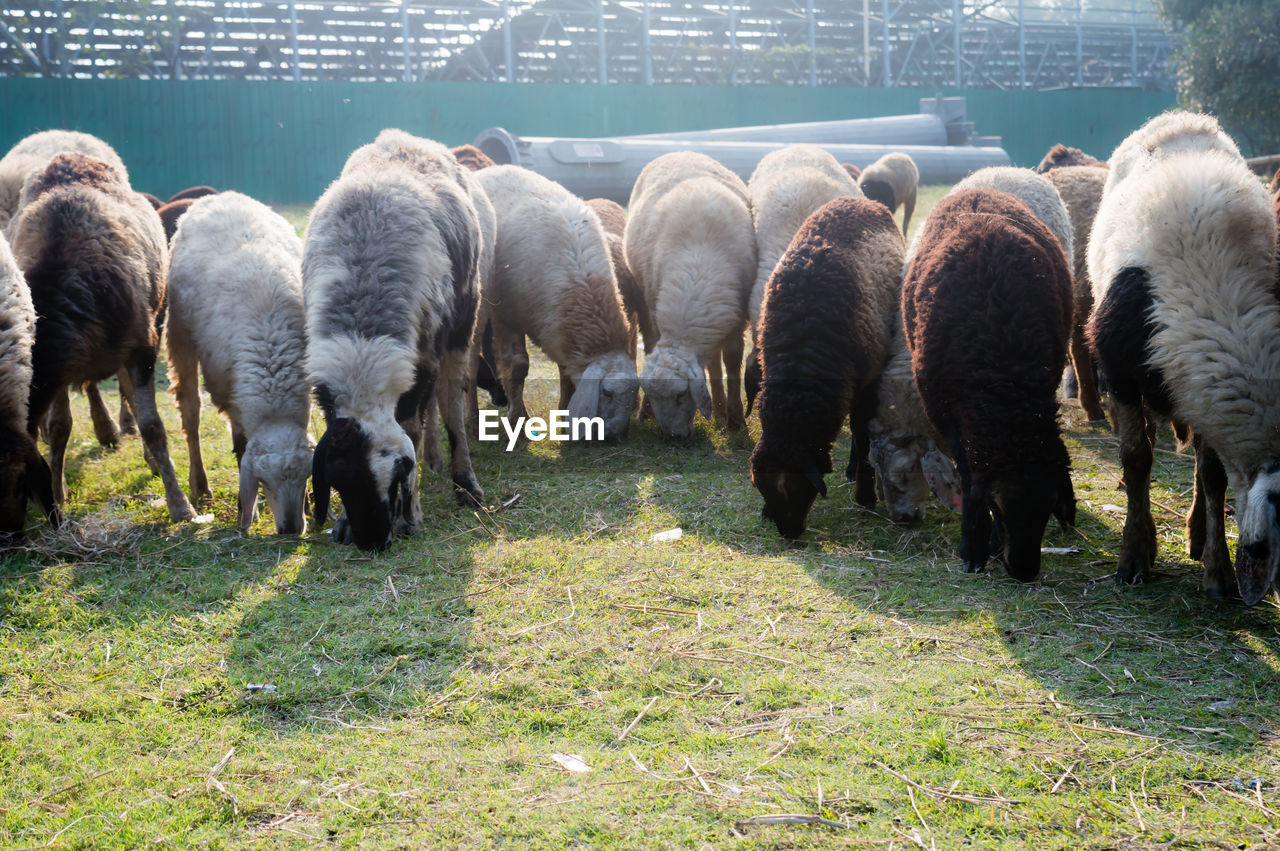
{"points": [[607, 389], [675, 387], [1022, 505], [789, 481], [373, 467], [24, 475], [1258, 549], [278, 458], [908, 467]]}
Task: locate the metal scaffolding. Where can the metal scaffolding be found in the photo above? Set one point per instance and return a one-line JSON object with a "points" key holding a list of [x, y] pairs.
{"points": [[1004, 44]]}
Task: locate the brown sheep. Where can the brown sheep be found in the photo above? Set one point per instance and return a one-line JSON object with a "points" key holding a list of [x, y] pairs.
{"points": [[95, 258], [1081, 190]]}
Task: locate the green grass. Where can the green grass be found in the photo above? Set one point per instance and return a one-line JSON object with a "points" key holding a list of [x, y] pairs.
{"points": [[419, 696]]}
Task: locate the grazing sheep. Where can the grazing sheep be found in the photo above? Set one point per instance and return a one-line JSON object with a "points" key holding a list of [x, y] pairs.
{"points": [[904, 446], [24, 474], [614, 221], [825, 326], [892, 180], [32, 153], [986, 308], [553, 281], [787, 185], [390, 283], [1183, 264], [1168, 134], [904, 451], [173, 211], [852, 170], [690, 244], [235, 314], [472, 158], [1081, 191], [152, 200], [192, 193], [1060, 156], [486, 365], [95, 257]]}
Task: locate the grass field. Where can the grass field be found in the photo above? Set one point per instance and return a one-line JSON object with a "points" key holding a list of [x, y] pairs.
{"points": [[544, 674]]}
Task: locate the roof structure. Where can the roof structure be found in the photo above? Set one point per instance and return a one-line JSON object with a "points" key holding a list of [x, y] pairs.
{"points": [[929, 43]]}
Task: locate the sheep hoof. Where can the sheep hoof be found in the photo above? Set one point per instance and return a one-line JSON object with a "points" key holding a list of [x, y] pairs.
{"points": [[181, 512], [974, 566], [468, 490]]}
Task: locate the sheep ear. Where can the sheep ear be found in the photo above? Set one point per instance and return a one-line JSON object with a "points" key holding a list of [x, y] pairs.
{"points": [[698, 389], [815, 477], [320, 480], [940, 473], [248, 496], [37, 480]]}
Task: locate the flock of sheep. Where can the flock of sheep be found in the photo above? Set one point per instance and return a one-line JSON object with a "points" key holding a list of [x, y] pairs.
{"points": [[424, 270]]}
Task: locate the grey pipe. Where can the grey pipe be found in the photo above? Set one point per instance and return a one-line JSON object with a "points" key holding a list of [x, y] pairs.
{"points": [[891, 130], [608, 168]]}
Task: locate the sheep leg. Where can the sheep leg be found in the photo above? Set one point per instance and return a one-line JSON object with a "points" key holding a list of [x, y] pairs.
{"points": [[860, 470], [715, 378], [466, 487], [473, 395], [513, 367], [1208, 513], [104, 427], [908, 207], [432, 456], [128, 425], [732, 355], [1138, 550], [1082, 362], [127, 393], [142, 377], [58, 428], [184, 367]]}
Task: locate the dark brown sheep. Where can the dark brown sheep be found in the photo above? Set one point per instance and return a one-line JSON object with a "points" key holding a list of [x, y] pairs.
{"points": [[170, 214], [152, 200], [192, 192], [1060, 155], [852, 169], [95, 257], [986, 308], [825, 324]]}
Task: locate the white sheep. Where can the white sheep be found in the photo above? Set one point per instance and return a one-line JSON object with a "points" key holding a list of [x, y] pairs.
{"points": [[553, 281], [1182, 261], [24, 474], [690, 244], [235, 315], [389, 274], [1168, 134], [786, 187]]}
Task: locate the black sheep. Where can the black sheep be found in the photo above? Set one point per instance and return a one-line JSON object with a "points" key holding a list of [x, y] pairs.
{"points": [[825, 324], [986, 308]]}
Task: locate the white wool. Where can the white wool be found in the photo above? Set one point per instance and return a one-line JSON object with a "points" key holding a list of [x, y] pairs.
{"points": [[1034, 190], [1203, 228], [17, 335], [785, 188], [30, 155]]}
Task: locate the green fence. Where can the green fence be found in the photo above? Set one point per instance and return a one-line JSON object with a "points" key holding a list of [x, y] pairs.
{"points": [[284, 142]]}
